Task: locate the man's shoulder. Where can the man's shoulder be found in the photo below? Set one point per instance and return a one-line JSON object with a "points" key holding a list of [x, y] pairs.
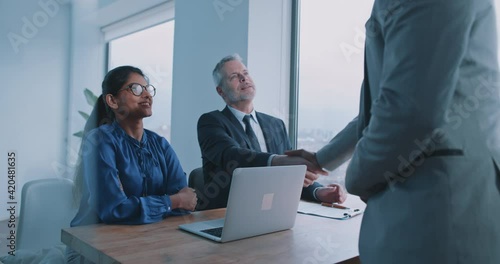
{"points": [[267, 117], [212, 114], [214, 117]]}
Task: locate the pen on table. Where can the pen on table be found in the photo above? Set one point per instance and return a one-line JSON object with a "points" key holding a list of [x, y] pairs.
{"points": [[337, 206], [334, 205]]}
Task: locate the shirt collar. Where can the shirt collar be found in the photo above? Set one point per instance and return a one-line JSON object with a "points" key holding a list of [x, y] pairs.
{"points": [[240, 115], [122, 132]]}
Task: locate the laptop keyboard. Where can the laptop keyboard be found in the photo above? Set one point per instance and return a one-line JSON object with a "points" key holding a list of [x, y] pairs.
{"points": [[213, 231]]}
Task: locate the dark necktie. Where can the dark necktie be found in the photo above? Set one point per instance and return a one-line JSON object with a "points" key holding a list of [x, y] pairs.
{"points": [[250, 134]]}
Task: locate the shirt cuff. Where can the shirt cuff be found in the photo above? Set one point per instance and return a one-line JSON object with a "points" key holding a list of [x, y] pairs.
{"points": [[270, 159], [314, 194], [167, 202], [322, 159]]}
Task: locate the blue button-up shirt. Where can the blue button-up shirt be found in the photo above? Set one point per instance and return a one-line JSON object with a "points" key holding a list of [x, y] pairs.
{"points": [[126, 181]]}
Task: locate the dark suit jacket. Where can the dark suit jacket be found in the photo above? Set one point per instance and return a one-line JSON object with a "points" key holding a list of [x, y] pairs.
{"points": [[225, 147]]}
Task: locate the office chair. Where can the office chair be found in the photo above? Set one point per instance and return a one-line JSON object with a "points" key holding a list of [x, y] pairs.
{"points": [[196, 179], [46, 207]]}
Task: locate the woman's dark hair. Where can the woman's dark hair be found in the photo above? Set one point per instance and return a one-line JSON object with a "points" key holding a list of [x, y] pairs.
{"points": [[102, 114]]}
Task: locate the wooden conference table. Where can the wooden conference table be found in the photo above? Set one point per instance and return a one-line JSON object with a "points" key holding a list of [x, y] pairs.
{"points": [[312, 240]]}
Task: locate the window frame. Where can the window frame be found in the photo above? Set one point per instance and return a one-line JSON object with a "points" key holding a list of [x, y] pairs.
{"points": [[293, 122], [153, 16]]}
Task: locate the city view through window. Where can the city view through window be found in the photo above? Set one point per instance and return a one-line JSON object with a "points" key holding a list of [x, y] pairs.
{"points": [[330, 71]]}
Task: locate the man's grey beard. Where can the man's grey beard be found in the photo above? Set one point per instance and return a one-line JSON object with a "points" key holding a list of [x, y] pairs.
{"points": [[231, 98]]}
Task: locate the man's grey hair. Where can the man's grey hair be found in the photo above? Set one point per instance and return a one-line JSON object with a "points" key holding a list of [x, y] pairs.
{"points": [[217, 72]]}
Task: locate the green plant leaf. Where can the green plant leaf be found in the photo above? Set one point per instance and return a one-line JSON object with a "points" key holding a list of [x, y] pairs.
{"points": [[78, 134], [90, 96], [91, 100], [84, 115]]}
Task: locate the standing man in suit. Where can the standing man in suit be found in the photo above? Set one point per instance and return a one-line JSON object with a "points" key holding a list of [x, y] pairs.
{"points": [[427, 150], [238, 136]]}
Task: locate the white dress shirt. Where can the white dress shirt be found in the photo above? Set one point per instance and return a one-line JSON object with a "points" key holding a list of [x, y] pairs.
{"points": [[254, 123]]}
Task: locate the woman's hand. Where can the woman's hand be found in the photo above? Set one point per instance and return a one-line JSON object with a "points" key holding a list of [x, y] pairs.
{"points": [[184, 199]]}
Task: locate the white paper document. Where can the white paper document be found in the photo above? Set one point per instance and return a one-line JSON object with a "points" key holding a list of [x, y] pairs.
{"points": [[316, 209]]}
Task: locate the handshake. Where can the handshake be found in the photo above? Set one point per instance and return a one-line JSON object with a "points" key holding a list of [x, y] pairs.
{"points": [[331, 194]]}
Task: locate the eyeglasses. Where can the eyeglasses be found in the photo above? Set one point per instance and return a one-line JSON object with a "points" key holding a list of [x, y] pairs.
{"points": [[138, 89]]}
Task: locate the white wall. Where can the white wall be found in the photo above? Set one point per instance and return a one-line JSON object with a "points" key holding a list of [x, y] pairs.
{"points": [[87, 70], [203, 35], [35, 78], [206, 31]]}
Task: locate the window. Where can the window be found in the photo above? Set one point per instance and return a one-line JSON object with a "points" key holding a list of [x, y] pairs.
{"points": [[331, 46], [497, 10], [151, 50]]}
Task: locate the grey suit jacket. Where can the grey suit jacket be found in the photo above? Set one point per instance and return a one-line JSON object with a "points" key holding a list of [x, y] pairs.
{"points": [[225, 147], [428, 147]]}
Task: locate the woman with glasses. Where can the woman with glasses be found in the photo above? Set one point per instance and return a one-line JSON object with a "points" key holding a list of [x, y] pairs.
{"points": [[127, 174]]}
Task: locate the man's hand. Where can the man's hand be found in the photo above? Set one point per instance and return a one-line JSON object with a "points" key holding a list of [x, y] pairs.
{"points": [[332, 193], [281, 160], [309, 156], [310, 178], [184, 199], [312, 170]]}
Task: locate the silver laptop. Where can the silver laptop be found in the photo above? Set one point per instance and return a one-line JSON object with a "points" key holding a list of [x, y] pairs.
{"points": [[261, 200]]}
